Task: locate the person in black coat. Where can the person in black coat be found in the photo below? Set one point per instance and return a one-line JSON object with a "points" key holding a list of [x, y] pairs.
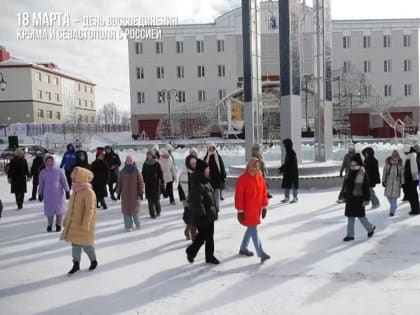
{"points": [[113, 162], [217, 171], [290, 172], [100, 179], [17, 175], [356, 193], [153, 180], [203, 211], [82, 159], [411, 179], [372, 170], [37, 165]]}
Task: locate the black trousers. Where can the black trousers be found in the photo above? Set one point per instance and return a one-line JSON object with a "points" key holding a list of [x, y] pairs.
{"points": [[412, 196], [205, 235], [112, 187], [169, 189], [19, 199], [154, 207], [34, 188], [68, 177]]}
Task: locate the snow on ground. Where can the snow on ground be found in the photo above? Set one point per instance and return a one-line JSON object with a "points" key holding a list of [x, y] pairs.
{"points": [[146, 272]]}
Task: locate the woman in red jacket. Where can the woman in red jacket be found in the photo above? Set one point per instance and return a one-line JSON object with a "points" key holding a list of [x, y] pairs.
{"points": [[251, 201]]}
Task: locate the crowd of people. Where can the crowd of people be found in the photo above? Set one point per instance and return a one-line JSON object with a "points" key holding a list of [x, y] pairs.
{"points": [[200, 187]]}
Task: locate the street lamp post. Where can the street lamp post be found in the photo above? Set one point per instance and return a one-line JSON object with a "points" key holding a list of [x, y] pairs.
{"points": [[2, 82], [168, 97]]}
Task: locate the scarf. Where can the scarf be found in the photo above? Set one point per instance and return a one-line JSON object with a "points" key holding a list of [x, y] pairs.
{"points": [[81, 186], [413, 166], [357, 185], [130, 168]]}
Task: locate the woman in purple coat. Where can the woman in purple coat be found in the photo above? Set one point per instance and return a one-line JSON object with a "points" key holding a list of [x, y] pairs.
{"points": [[52, 186]]}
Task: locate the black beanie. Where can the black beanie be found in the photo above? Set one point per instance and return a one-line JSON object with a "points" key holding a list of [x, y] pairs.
{"points": [[201, 166], [357, 158]]}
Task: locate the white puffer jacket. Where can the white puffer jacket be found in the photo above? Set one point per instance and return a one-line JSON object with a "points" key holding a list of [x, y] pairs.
{"points": [[168, 167]]}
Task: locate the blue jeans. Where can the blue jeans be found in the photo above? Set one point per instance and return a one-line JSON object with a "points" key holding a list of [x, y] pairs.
{"points": [[129, 219], [393, 204], [350, 225], [252, 232], [287, 193]]}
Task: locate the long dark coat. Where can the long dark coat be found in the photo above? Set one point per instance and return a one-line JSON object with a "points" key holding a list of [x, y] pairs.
{"points": [[217, 176], [201, 200], [18, 173], [100, 179], [113, 161], [290, 170], [371, 167], [153, 178], [354, 204], [37, 163]]}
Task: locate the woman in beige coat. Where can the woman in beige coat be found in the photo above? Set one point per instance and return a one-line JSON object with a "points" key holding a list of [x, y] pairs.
{"points": [[130, 190], [80, 221]]}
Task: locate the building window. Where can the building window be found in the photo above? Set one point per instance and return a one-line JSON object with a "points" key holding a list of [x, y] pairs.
{"points": [[140, 98], [387, 41], [39, 94], [179, 47], [85, 89], [38, 76], [201, 95], [200, 71], [48, 79], [222, 94], [180, 71], [159, 47], [40, 113], [49, 114], [221, 70], [78, 86], [407, 65], [346, 42], [80, 102], [367, 89], [387, 65], [407, 40], [48, 95], [366, 41], [57, 97], [346, 66], [140, 73], [407, 89], [92, 119], [161, 97], [85, 103], [138, 48], [79, 118], [91, 90], [58, 115], [86, 118], [160, 73], [220, 45], [367, 66], [388, 90], [57, 81], [181, 96], [200, 46], [91, 104]]}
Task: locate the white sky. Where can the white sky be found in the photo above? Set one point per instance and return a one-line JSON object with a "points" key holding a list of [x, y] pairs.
{"points": [[106, 62]]}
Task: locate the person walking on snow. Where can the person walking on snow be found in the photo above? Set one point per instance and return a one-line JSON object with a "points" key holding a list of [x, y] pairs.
{"points": [[82, 159], [251, 201], [393, 179], [100, 179], [411, 179], [256, 152], [53, 188], [17, 176], [217, 171], [356, 193], [153, 179], [290, 172], [345, 167], [372, 170], [169, 174], [203, 210], [36, 168], [130, 190], [80, 220], [113, 162], [190, 230], [68, 162]]}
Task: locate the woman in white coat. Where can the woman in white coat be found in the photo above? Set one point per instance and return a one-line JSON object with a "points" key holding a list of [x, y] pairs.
{"points": [[169, 174]]}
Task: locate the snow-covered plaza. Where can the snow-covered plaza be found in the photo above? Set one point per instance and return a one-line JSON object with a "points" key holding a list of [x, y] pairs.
{"points": [[146, 272]]}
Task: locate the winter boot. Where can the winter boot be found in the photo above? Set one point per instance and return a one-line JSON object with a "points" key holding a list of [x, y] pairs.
{"points": [[370, 234], [58, 228], [49, 228], [74, 269], [104, 206], [93, 265], [246, 253], [212, 260], [264, 257], [348, 239], [285, 200], [294, 200]]}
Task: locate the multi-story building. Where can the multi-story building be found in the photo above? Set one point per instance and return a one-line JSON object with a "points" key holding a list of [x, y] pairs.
{"points": [[42, 93], [203, 63]]}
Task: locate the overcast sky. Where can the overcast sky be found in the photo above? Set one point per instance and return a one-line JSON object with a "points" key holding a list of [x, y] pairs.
{"points": [[106, 62]]}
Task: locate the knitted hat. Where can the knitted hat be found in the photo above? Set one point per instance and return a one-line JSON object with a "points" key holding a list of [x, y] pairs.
{"points": [[357, 158], [193, 151], [201, 166]]}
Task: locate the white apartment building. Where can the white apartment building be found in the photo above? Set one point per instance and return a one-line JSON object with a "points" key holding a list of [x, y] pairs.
{"points": [[42, 93], [203, 63]]}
